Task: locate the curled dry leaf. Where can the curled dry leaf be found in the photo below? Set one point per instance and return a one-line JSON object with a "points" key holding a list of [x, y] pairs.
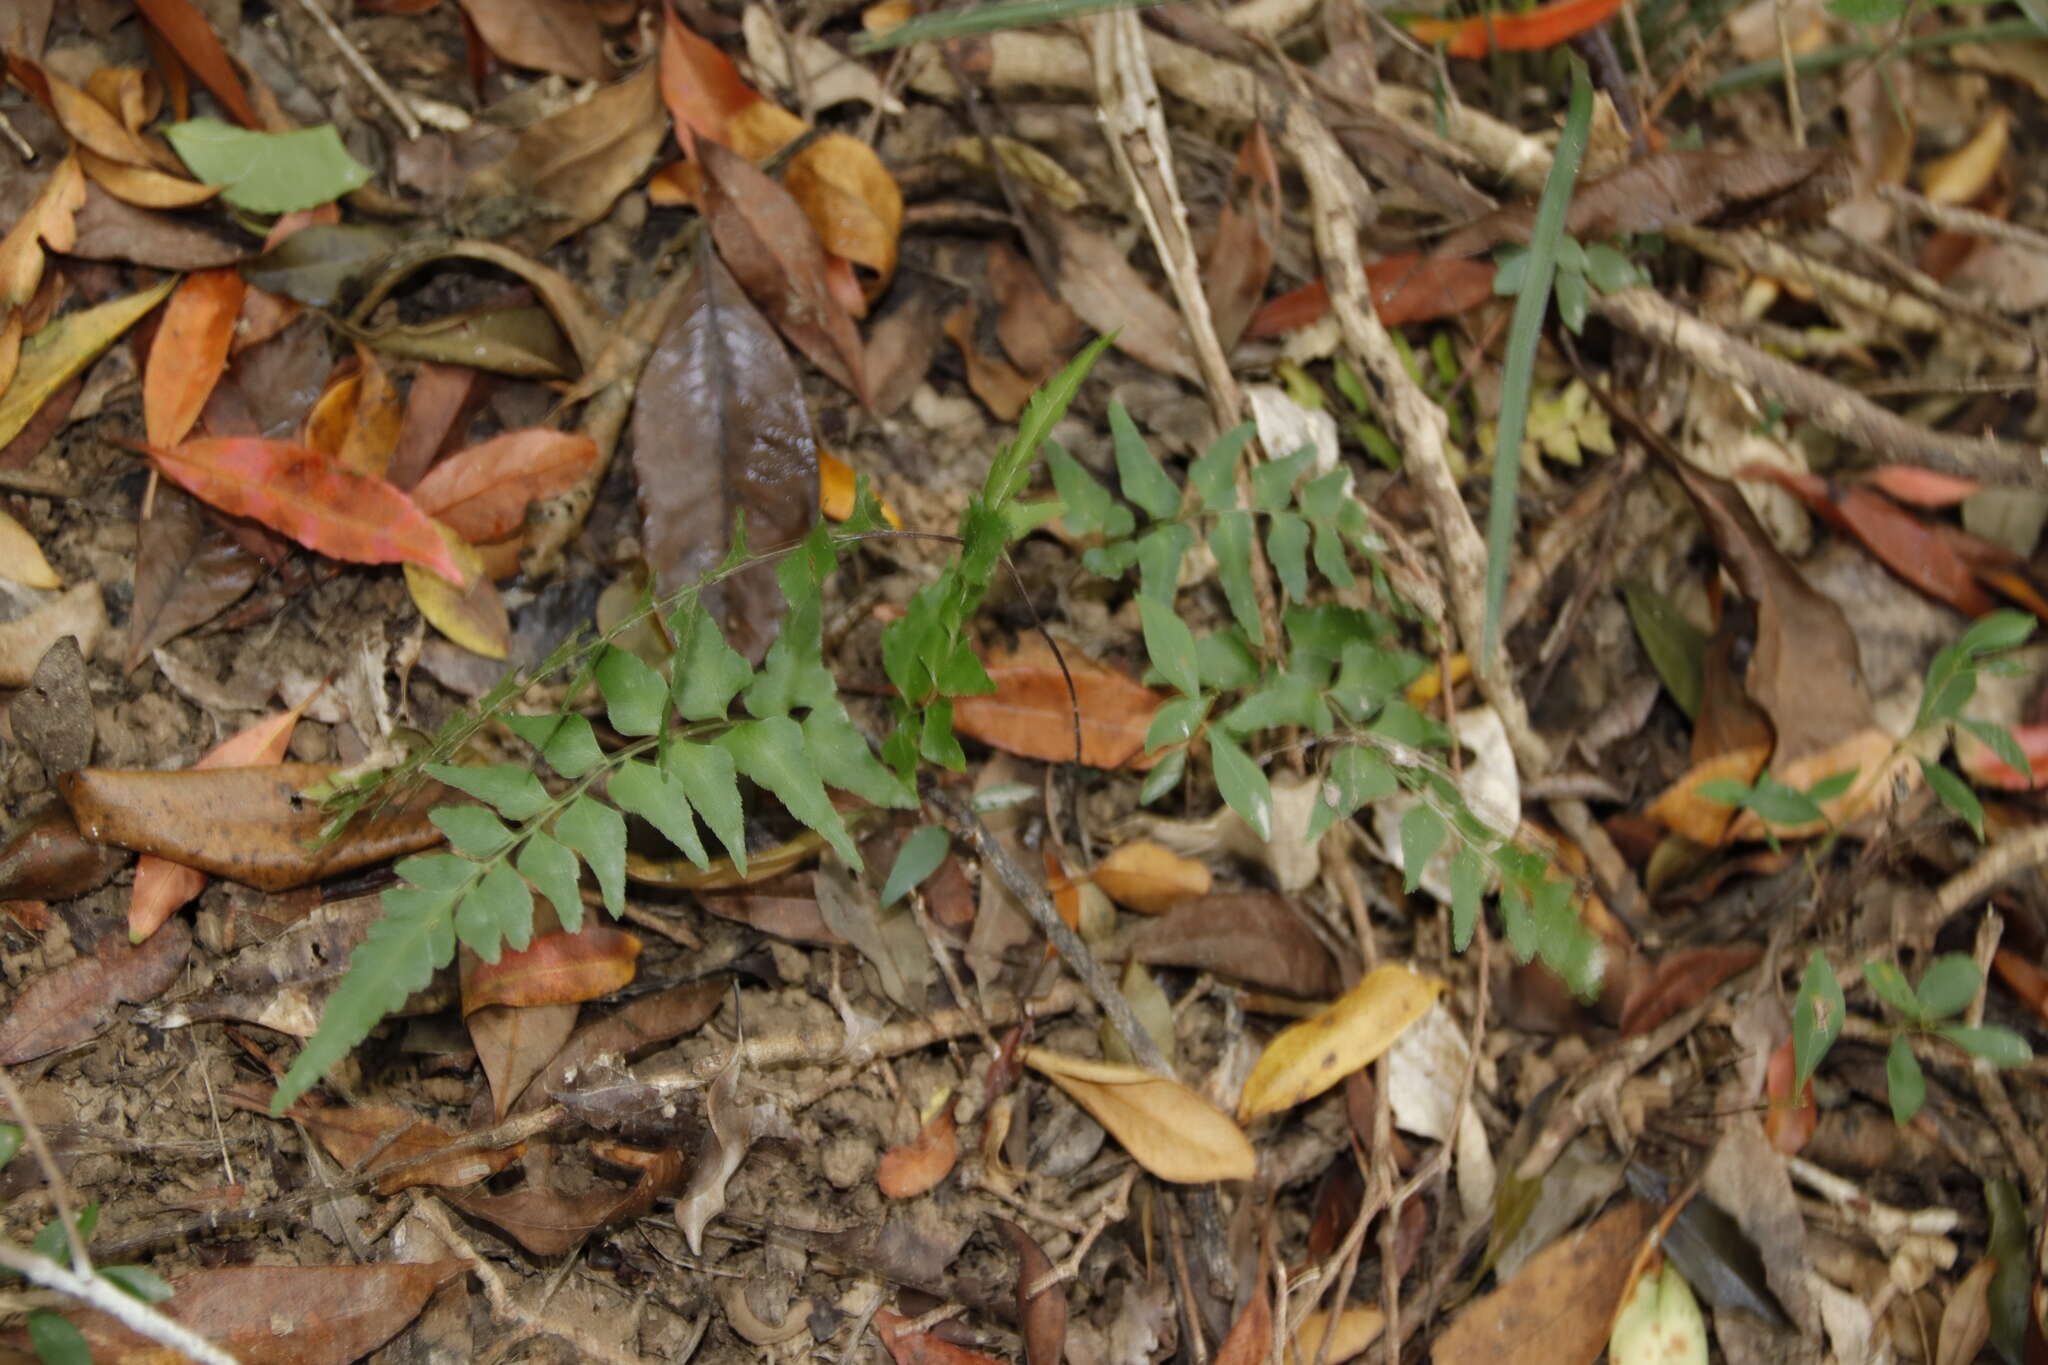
{"points": [[709, 100], [547, 1222], [352, 1132], [920, 1164], [79, 999], [186, 30], [852, 201], [279, 1314], [79, 612], [190, 353], [21, 559], [482, 493], [558, 968], [1150, 878], [186, 571], [161, 886], [1564, 1297], [1307, 1058], [355, 420], [51, 220], [514, 1042], [1250, 1340], [733, 1127], [249, 825], [1166, 1127], [306, 496], [1031, 713]]}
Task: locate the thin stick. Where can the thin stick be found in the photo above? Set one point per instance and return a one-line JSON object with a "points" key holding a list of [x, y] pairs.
{"points": [[133, 1313], [407, 124], [1957, 218]]}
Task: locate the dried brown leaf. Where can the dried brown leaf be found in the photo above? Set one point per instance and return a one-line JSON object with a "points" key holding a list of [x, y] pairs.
{"points": [[79, 999], [187, 571], [1031, 713], [545, 35], [919, 1165], [1043, 1315], [1557, 1308], [1257, 937]]}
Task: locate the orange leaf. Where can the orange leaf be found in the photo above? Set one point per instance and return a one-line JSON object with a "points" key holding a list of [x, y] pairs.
{"points": [[1544, 26], [192, 38], [302, 494], [352, 1132], [356, 421], [557, 969], [922, 1348], [2026, 980], [481, 493], [48, 220], [1031, 715], [852, 200], [908, 1171], [161, 886], [190, 353], [1405, 288], [1922, 487], [707, 98], [836, 488], [1150, 878], [143, 187], [1790, 1121], [1681, 981], [90, 123]]}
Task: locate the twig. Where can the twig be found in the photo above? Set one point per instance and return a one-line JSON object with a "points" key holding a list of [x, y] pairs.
{"points": [[407, 124], [60, 1193], [116, 1303], [1957, 218], [1999, 863], [2026, 1153], [1115, 1206], [1418, 424], [506, 1305]]}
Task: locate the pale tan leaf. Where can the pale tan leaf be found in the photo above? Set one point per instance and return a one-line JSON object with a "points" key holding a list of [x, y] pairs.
{"points": [[1166, 1127], [21, 559], [1307, 1058], [1150, 878]]}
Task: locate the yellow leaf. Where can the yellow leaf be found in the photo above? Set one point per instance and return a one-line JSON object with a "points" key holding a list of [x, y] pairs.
{"points": [[1659, 1324], [1150, 878], [66, 346], [473, 618], [21, 559], [1166, 1127], [1357, 1328], [836, 487], [1309, 1057], [1962, 175]]}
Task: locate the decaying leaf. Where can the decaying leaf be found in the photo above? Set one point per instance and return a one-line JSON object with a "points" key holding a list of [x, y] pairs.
{"points": [[78, 1000], [50, 221], [733, 1125], [1256, 937], [1043, 1315], [1150, 878], [1564, 1297], [187, 570], [548, 35], [557, 968], [79, 612], [720, 429], [1307, 1058], [547, 1222], [918, 1165], [52, 356], [249, 825], [514, 1043], [482, 493], [1166, 1127], [907, 1347], [1240, 256], [52, 718], [1031, 713], [351, 1132], [45, 858], [1356, 1328], [471, 613]]}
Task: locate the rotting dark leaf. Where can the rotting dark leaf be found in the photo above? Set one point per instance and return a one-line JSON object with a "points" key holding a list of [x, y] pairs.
{"points": [[547, 1222], [52, 716], [319, 265], [522, 341], [774, 253], [249, 825], [1256, 937], [187, 571], [1240, 257], [719, 428], [1043, 1315], [45, 858], [514, 1042], [1711, 1250], [785, 908], [1671, 189], [1680, 981], [630, 1032], [79, 999]]}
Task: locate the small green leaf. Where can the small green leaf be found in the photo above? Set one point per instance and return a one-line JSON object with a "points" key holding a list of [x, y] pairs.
{"points": [[1287, 545], [1145, 481], [55, 1340], [1164, 777], [920, 856], [1571, 300], [1422, 833], [1955, 793], [1817, 1014], [2001, 630], [598, 833], [1724, 791], [566, 741], [841, 755], [1243, 785], [1609, 270], [1888, 984], [936, 740], [1290, 699], [2001, 742], [709, 673], [1230, 541], [498, 911], [1091, 509], [1171, 645], [1867, 12], [1160, 552], [544, 862], [51, 1244], [1948, 985], [635, 697], [1224, 660], [771, 751], [1777, 804], [10, 1142], [1468, 884], [1993, 1043], [471, 830], [1175, 722], [137, 1281], [644, 790], [1677, 648], [1273, 481], [1213, 475], [1904, 1083], [1831, 786], [1358, 776], [511, 787], [1011, 470], [713, 787], [268, 172]]}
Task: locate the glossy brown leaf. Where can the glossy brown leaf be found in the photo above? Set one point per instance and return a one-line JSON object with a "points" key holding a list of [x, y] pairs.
{"points": [[558, 968], [352, 1132], [919, 1165], [1681, 981], [1256, 937], [193, 39], [1240, 256], [1043, 1315], [249, 825], [482, 493], [1563, 1297], [547, 1222], [187, 571], [720, 429], [514, 1043], [79, 1000], [281, 1314], [45, 858], [1031, 713], [565, 171], [774, 253], [190, 353], [437, 407], [544, 35]]}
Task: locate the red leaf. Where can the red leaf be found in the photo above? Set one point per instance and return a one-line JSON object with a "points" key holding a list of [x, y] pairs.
{"points": [[1405, 288], [1681, 981], [303, 495], [1790, 1121], [1922, 487], [190, 353], [556, 969], [192, 38], [920, 1164], [707, 98], [2026, 980], [1544, 26], [481, 493], [922, 1348]]}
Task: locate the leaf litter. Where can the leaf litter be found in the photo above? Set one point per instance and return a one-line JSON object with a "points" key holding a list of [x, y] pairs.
{"points": [[711, 245]]}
